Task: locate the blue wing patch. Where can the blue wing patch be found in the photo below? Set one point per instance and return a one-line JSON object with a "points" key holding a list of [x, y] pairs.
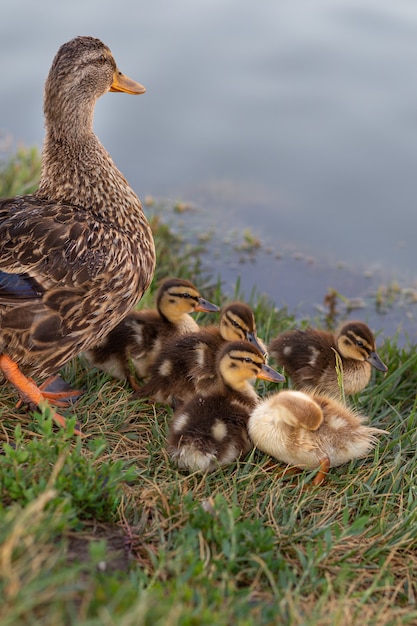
{"points": [[19, 287]]}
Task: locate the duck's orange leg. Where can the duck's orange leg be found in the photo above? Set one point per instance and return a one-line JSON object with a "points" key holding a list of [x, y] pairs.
{"points": [[133, 382], [56, 391], [28, 390], [324, 468]]}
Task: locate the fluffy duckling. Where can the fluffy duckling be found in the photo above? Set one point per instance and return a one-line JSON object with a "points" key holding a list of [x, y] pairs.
{"points": [[186, 365], [77, 254], [131, 347], [309, 357], [310, 430], [209, 431]]}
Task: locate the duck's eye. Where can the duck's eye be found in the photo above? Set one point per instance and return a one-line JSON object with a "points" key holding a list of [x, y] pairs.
{"points": [[247, 359], [235, 324], [360, 344], [186, 295], [102, 59]]}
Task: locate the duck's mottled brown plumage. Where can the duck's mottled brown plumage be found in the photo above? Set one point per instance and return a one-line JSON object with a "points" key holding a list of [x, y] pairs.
{"points": [[187, 365], [210, 430], [78, 254], [132, 346], [309, 357]]}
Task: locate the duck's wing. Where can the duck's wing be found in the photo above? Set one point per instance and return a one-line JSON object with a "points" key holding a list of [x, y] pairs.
{"points": [[44, 246], [50, 264], [17, 282], [17, 288]]}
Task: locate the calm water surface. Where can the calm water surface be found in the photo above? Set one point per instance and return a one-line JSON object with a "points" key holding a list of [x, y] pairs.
{"points": [[296, 120]]}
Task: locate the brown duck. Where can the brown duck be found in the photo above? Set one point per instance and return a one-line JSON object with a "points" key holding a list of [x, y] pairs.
{"points": [[309, 357], [78, 254], [132, 346], [211, 430], [187, 365]]}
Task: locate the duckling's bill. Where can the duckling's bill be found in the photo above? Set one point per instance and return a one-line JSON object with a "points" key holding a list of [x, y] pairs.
{"points": [[208, 307], [375, 360], [258, 343], [267, 373], [123, 83]]}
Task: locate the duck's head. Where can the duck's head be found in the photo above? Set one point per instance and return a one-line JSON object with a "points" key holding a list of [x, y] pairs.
{"points": [[241, 361], [355, 341], [177, 297], [83, 70], [237, 322]]}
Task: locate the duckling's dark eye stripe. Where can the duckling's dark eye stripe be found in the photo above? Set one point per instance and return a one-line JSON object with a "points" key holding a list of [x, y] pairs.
{"points": [[245, 359], [360, 341], [234, 322], [185, 295]]}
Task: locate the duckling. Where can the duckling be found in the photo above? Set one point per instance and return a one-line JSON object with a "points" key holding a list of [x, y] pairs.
{"points": [[186, 365], [137, 339], [78, 254], [309, 357], [310, 430], [210, 430]]}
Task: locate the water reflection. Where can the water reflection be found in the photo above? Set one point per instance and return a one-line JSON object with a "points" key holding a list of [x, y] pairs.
{"points": [[296, 120], [300, 282]]}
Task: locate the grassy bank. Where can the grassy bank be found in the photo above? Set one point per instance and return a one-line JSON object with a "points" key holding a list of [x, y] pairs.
{"points": [[106, 531]]}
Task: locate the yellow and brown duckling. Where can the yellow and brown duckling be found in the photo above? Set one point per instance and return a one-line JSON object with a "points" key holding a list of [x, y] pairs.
{"points": [[309, 357], [186, 365], [132, 346], [309, 431], [209, 431], [77, 255]]}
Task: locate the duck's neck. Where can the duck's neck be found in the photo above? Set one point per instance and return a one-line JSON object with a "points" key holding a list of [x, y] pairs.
{"points": [[76, 169]]}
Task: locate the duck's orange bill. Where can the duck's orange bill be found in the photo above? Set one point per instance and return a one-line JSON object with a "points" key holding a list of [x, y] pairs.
{"points": [[267, 373], [125, 84]]}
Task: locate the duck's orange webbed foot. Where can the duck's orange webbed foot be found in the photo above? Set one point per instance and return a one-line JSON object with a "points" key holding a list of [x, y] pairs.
{"points": [[56, 391], [29, 392], [318, 480], [281, 472]]}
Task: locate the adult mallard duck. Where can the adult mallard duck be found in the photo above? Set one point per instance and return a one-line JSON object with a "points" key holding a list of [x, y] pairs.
{"points": [[309, 357], [78, 254], [210, 430], [132, 346], [310, 430]]}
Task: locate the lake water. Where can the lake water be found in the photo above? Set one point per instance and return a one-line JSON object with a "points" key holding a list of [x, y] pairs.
{"points": [[295, 120]]}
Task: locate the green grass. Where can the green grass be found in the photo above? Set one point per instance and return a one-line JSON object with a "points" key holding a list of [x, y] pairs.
{"points": [[106, 531]]}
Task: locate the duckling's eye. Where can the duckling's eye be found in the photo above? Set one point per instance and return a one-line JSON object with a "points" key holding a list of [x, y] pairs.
{"points": [[186, 295], [360, 344], [247, 359], [235, 324]]}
